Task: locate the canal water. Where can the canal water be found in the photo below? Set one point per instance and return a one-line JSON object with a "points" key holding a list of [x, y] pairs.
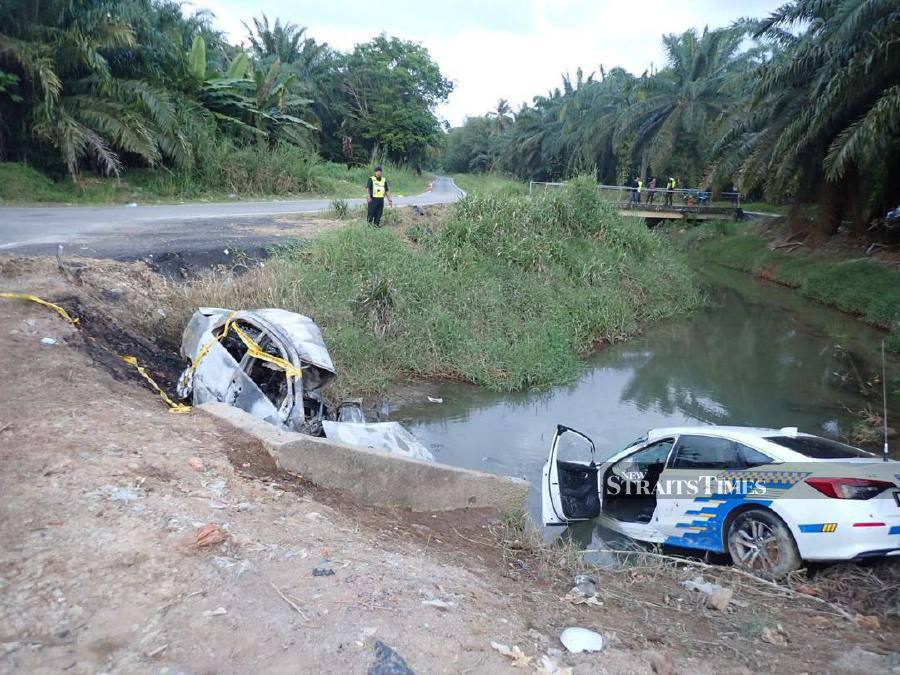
{"points": [[757, 355]]}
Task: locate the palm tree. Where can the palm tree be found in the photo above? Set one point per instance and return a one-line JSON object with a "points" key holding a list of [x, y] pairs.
{"points": [[282, 41], [502, 117], [71, 101], [675, 108], [534, 147], [825, 119], [591, 116]]}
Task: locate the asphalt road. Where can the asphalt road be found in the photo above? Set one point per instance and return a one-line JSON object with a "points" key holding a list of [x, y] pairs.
{"points": [[112, 230]]}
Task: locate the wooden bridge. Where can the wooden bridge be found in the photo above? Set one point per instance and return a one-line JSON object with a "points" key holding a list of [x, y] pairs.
{"points": [[682, 212], [685, 208]]}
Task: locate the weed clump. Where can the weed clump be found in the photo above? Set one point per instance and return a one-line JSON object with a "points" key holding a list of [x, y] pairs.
{"points": [[340, 209]]}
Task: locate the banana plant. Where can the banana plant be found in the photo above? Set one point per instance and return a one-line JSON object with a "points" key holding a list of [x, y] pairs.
{"points": [[256, 101]]}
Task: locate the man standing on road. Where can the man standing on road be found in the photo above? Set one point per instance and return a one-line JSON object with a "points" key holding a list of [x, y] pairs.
{"points": [[377, 191]]}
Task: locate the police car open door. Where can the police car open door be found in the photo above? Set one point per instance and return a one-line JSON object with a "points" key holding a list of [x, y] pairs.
{"points": [[569, 485]]}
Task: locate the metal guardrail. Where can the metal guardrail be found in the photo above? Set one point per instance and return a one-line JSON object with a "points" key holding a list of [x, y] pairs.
{"points": [[699, 195]]}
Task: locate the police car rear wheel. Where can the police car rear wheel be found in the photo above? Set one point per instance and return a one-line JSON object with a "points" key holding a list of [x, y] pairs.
{"points": [[760, 542]]}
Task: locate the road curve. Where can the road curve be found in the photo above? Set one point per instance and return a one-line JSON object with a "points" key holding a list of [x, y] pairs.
{"points": [[43, 225]]}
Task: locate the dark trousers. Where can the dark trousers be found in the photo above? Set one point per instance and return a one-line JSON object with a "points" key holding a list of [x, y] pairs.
{"points": [[669, 194], [376, 208]]}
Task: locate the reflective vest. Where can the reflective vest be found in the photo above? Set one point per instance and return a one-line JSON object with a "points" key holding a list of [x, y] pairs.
{"points": [[640, 185], [378, 187]]}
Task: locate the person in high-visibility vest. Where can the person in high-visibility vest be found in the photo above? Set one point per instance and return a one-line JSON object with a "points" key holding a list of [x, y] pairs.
{"points": [[670, 190], [377, 191], [640, 188]]}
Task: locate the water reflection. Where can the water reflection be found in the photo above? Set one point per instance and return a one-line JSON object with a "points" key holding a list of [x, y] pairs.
{"points": [[758, 355]]}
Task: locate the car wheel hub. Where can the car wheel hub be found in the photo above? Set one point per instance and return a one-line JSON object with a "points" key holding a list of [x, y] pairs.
{"points": [[755, 545]]}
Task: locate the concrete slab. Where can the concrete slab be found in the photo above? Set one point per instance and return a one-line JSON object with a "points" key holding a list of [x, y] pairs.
{"points": [[378, 478]]}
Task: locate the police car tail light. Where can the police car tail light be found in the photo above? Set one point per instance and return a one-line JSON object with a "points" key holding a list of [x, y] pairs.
{"points": [[849, 488]]}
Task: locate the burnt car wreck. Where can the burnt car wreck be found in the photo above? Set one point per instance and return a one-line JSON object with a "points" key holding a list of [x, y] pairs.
{"points": [[274, 365]]}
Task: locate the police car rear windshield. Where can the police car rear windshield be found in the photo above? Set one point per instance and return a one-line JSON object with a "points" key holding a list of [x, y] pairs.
{"points": [[818, 448]]}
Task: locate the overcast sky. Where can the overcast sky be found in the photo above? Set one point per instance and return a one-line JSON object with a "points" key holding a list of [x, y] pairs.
{"points": [[491, 49]]}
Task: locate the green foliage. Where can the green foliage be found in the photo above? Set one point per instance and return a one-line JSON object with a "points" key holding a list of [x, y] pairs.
{"points": [[239, 68], [224, 170], [20, 181], [393, 87], [340, 209], [105, 86], [861, 287], [801, 107], [9, 85], [613, 123], [822, 115], [490, 183], [471, 147], [510, 293], [196, 63]]}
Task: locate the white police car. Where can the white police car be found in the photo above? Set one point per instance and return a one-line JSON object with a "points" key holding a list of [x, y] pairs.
{"points": [[771, 498]]}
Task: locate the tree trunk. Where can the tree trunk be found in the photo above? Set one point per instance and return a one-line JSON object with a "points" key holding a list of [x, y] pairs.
{"points": [[828, 210]]}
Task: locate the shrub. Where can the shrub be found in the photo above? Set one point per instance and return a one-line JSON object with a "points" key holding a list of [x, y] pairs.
{"points": [[340, 209]]}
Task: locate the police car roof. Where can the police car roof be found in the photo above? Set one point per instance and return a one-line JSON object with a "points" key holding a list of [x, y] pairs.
{"points": [[728, 432]]}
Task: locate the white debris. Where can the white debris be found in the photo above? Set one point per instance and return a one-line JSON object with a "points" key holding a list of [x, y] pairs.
{"points": [[717, 597], [519, 659], [578, 640], [548, 666], [48, 341]]}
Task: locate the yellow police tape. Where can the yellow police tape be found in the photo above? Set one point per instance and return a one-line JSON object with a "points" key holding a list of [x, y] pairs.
{"points": [[257, 352], [174, 407], [253, 349], [131, 360], [33, 298]]}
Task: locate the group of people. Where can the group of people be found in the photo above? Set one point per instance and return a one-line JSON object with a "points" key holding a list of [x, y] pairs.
{"points": [[638, 189]]}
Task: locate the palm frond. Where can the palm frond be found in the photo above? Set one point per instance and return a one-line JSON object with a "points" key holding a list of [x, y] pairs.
{"points": [[875, 132]]}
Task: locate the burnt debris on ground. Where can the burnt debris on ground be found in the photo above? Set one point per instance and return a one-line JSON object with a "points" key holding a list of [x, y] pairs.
{"points": [[106, 340]]}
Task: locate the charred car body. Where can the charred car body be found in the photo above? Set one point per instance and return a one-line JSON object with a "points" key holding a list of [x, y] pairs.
{"points": [[274, 365]]}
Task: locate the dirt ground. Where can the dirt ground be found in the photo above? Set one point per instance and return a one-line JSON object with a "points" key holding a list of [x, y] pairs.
{"points": [[104, 492]]}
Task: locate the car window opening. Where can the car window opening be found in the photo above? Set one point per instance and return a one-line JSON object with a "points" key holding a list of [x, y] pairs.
{"points": [[629, 486], [816, 447]]}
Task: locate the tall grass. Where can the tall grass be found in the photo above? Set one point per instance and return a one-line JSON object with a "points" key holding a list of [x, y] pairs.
{"points": [[509, 293], [225, 172]]}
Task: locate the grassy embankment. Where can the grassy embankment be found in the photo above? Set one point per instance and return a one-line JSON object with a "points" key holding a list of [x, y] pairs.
{"points": [[489, 183], [506, 292], [244, 173], [866, 288]]}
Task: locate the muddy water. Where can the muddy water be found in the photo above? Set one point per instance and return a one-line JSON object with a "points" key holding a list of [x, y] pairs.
{"points": [[758, 355]]}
